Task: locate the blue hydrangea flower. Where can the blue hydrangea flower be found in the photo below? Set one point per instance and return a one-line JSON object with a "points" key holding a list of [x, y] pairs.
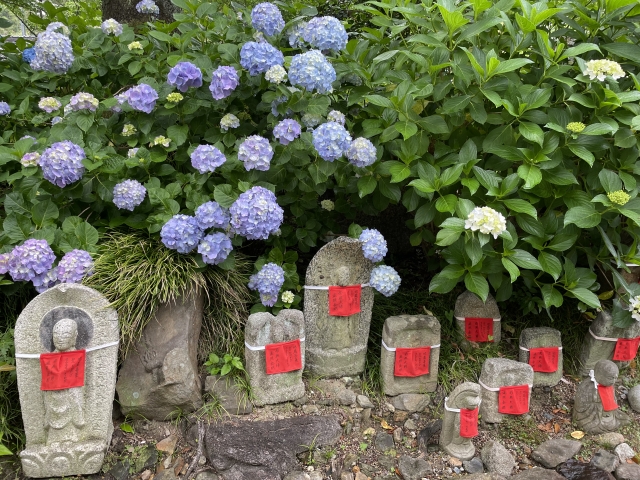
{"points": [[111, 27], [312, 71], [256, 153], [53, 52], [325, 33], [185, 75], [336, 116], [56, 120], [83, 101], [223, 81], [31, 261], [4, 262], [295, 35], [28, 54], [259, 57], [361, 152], [74, 266], [268, 282], [50, 280], [141, 97], [148, 6], [206, 158], [212, 215], [129, 194], [61, 163], [256, 214], [266, 18], [331, 140], [5, 109], [181, 233], [287, 131], [374, 246], [385, 280], [215, 248]]}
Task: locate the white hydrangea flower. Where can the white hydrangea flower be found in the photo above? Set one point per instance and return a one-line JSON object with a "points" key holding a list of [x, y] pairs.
{"points": [[634, 308], [276, 74], [161, 140], [128, 130], [135, 46], [288, 297], [49, 104], [328, 205], [132, 152], [600, 69], [229, 121], [487, 220]]}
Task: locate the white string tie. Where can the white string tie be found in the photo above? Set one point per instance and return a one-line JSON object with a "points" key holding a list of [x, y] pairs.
{"points": [[464, 318], [37, 355], [606, 339], [455, 410], [393, 349], [592, 376], [314, 287], [493, 389], [528, 350], [256, 349]]}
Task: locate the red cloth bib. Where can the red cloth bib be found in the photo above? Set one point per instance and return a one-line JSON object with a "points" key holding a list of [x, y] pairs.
{"points": [[283, 357], [514, 400], [544, 360], [412, 362], [478, 329], [344, 301], [468, 423], [626, 349], [607, 397], [62, 370]]}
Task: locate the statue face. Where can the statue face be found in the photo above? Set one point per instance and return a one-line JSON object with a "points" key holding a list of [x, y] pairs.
{"points": [[469, 400], [606, 372], [65, 333]]}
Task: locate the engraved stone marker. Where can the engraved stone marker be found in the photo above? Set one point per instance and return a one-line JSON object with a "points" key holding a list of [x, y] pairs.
{"points": [[460, 423], [478, 321], [542, 349], [506, 388]]}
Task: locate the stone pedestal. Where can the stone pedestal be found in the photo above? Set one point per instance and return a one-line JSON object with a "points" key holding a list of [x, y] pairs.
{"points": [[540, 338], [469, 305], [496, 373], [467, 396]]}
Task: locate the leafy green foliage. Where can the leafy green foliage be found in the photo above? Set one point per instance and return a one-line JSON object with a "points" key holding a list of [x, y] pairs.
{"points": [[225, 365]]}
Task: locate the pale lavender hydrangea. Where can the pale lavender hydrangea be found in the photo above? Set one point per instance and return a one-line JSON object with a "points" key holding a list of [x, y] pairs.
{"points": [[212, 215], [132, 152], [83, 101], [256, 153], [215, 248], [361, 153], [5, 109], [31, 261], [49, 104], [312, 71], [141, 97], [148, 6], [325, 33], [266, 18], [184, 76], [56, 120], [129, 194], [229, 121], [53, 52], [111, 27], [259, 57], [268, 282], [374, 246], [30, 159], [5, 258], [256, 214], [50, 280], [287, 131], [74, 266], [206, 158], [61, 163], [181, 233], [336, 116], [331, 140], [223, 81], [385, 280]]}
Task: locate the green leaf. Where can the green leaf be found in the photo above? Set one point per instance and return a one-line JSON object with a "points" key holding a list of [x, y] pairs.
{"points": [[453, 272], [407, 129], [399, 172], [366, 185], [127, 428], [551, 296], [441, 284], [586, 296], [514, 272], [379, 100], [43, 213], [355, 230], [163, 37], [624, 50], [597, 129], [178, 133], [524, 259], [532, 132], [583, 153], [447, 203], [446, 237], [424, 215], [550, 264], [455, 104], [477, 284], [510, 65], [582, 216], [530, 174], [609, 181], [223, 194], [87, 235], [521, 206], [473, 250]]}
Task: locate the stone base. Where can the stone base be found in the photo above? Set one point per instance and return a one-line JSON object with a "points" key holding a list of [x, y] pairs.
{"points": [[63, 460], [270, 396], [336, 363]]}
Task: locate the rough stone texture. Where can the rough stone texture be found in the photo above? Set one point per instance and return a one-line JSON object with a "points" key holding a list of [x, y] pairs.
{"points": [[574, 470], [594, 350], [335, 392], [553, 452], [409, 331], [497, 459], [610, 439], [624, 452], [337, 346], [628, 471], [429, 431], [466, 395], [468, 304], [633, 396], [364, 402], [206, 476], [413, 468], [537, 338], [264, 329], [605, 460], [501, 372], [539, 474], [89, 416], [231, 398], [411, 402], [159, 376], [474, 465], [384, 442], [478, 476], [242, 450]]}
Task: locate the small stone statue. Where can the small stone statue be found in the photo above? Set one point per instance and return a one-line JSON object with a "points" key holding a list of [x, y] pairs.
{"points": [[467, 397], [595, 409]]}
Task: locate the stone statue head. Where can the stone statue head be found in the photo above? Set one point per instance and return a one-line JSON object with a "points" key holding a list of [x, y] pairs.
{"points": [[606, 372], [343, 276], [65, 333]]}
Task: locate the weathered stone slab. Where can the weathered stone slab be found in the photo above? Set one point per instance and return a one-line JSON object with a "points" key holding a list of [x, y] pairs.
{"points": [[497, 458], [539, 474], [231, 398], [337, 346], [542, 337], [409, 331], [469, 305], [67, 431], [555, 451], [466, 395], [496, 373], [574, 470], [265, 329]]}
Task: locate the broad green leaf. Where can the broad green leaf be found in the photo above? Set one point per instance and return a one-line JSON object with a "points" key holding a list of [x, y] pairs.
{"points": [[524, 259], [586, 296], [43, 213], [366, 185], [178, 133], [530, 174], [441, 284], [582, 216], [532, 132], [399, 172], [407, 129], [550, 264], [521, 206], [477, 284], [514, 271], [510, 65], [609, 181], [551, 296], [446, 237]]}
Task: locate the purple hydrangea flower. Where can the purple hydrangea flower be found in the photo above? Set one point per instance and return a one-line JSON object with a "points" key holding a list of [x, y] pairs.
{"points": [[129, 194], [287, 131], [74, 266], [5, 109], [215, 248], [268, 282], [141, 97], [361, 152], [256, 153], [211, 214], [385, 280], [53, 52], [111, 27], [31, 261], [312, 71], [83, 101], [56, 120], [181, 233], [259, 57], [256, 214], [206, 158], [148, 6], [30, 159], [28, 54], [50, 280], [374, 246], [223, 81], [61, 163], [5, 258], [266, 18], [331, 140], [185, 75], [325, 33]]}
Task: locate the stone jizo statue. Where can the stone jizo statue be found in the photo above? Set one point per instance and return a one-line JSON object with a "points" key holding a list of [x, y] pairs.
{"points": [[464, 397]]}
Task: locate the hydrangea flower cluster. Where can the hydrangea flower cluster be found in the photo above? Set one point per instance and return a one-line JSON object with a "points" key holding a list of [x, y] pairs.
{"points": [[61, 163], [128, 130], [336, 116], [5, 109], [28, 54], [49, 104], [601, 69], [328, 205], [223, 82], [287, 131], [132, 152], [374, 246], [30, 159], [50, 280], [141, 97], [174, 97], [161, 140], [53, 50], [361, 152], [634, 308], [229, 121], [56, 120], [256, 153], [74, 266], [295, 34], [83, 101], [259, 57], [312, 71], [181, 233], [148, 6], [129, 194], [185, 75], [576, 127], [325, 33], [135, 46], [268, 282], [288, 297], [487, 220], [276, 74], [385, 280], [256, 214], [4, 262], [31, 261], [212, 215], [206, 158], [215, 248], [331, 140], [619, 197], [266, 18], [311, 120], [111, 27]]}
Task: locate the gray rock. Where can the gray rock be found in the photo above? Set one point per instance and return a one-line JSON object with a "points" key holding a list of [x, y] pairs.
{"points": [[474, 465], [243, 450], [429, 431], [605, 461], [346, 476], [364, 402], [610, 439], [411, 402], [496, 373], [337, 346], [467, 396], [624, 452], [335, 392], [539, 474], [347, 397], [413, 468], [165, 475], [231, 398], [410, 425], [159, 376], [297, 476], [65, 318], [479, 476], [384, 442], [497, 459], [120, 471], [633, 396], [301, 401], [628, 471], [398, 434], [206, 476], [553, 452], [310, 409], [264, 329], [147, 459], [469, 305], [538, 338], [573, 469], [316, 475], [409, 331]]}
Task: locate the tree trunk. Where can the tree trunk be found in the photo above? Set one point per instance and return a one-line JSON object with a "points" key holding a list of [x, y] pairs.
{"points": [[124, 11]]}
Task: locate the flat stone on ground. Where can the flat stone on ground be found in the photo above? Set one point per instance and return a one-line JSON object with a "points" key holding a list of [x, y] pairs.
{"points": [[473, 466], [384, 442], [167, 445], [364, 401], [610, 439], [413, 468], [574, 470], [231, 398], [411, 402], [624, 452], [479, 476], [605, 460], [556, 451], [628, 471], [539, 474], [497, 459]]}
